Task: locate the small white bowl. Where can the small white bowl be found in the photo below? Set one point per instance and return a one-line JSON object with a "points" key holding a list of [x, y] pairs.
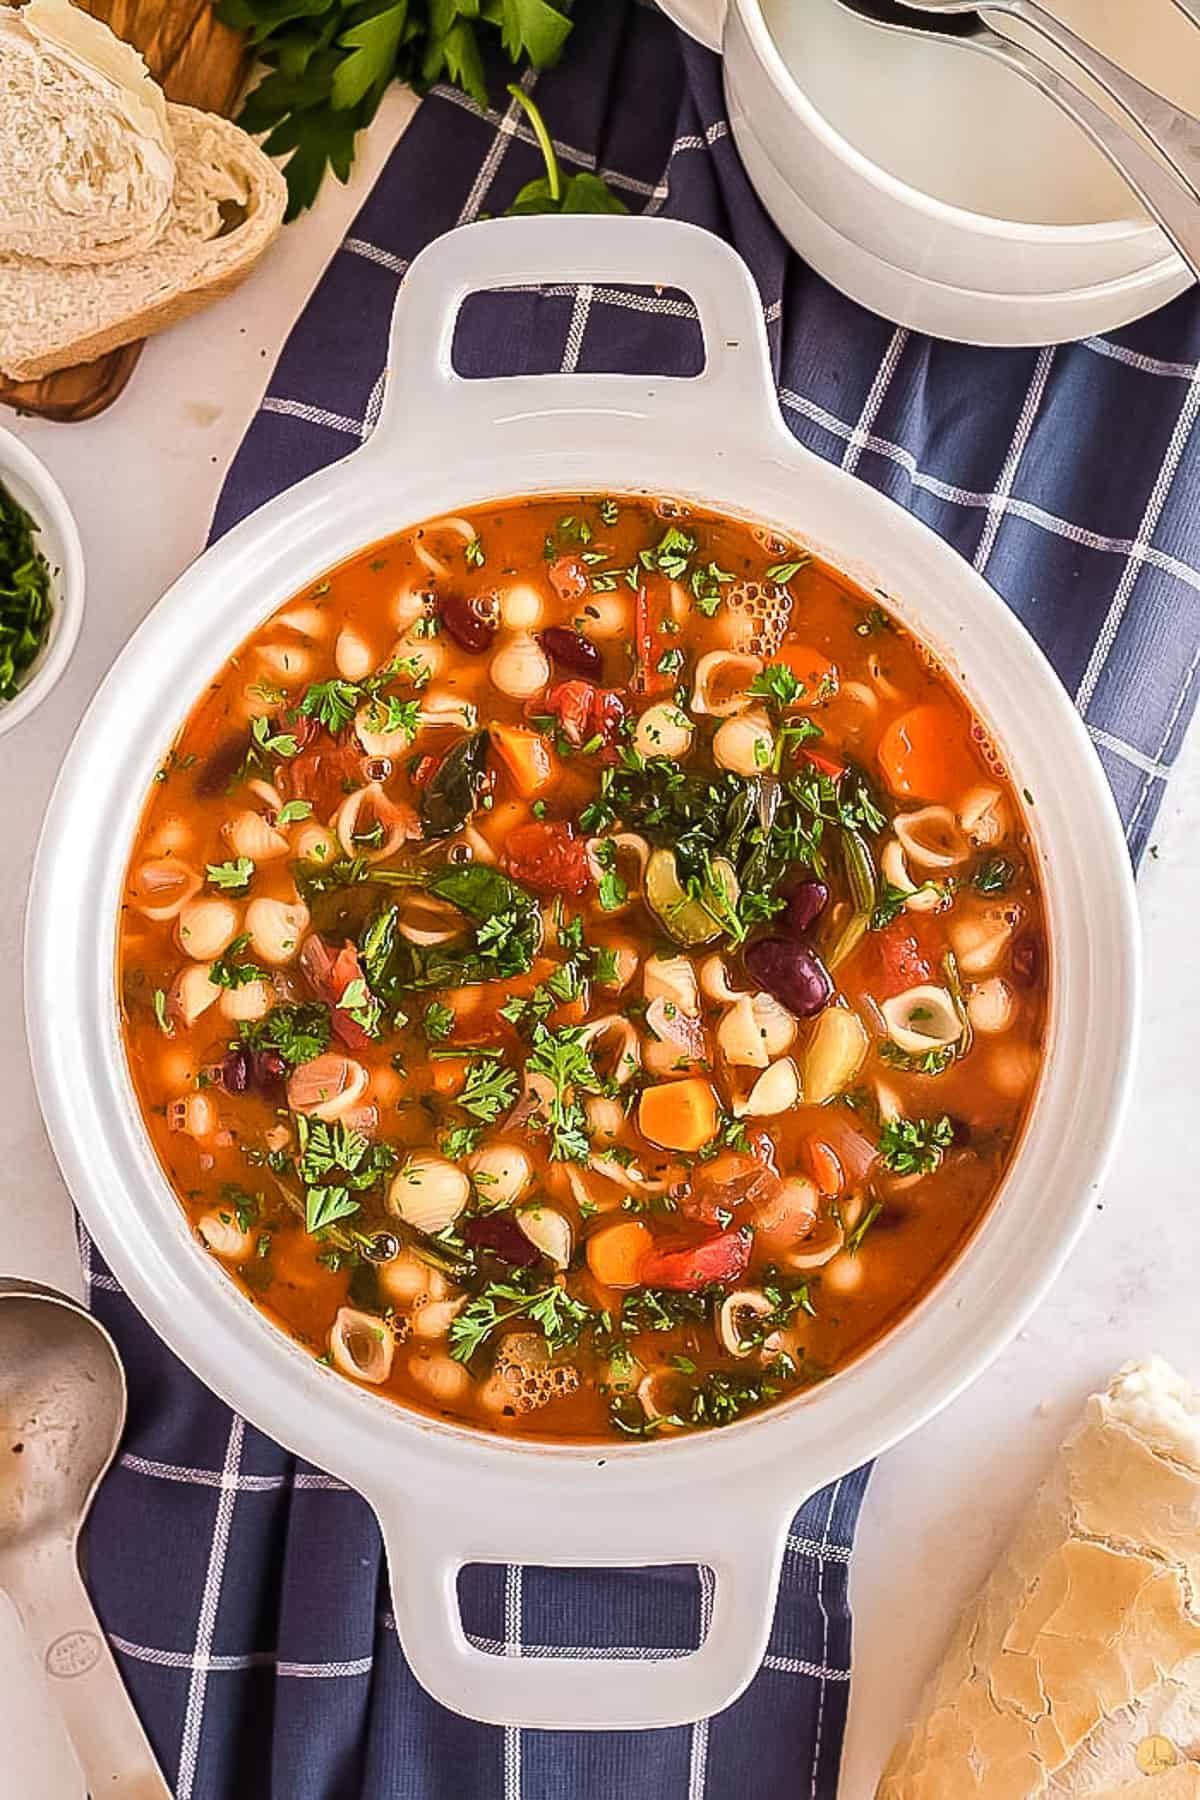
{"points": [[944, 168], [32, 486]]}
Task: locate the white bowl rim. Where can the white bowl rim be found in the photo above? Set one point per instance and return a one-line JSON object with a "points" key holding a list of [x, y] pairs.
{"points": [[441, 441], [18, 459], [961, 218]]}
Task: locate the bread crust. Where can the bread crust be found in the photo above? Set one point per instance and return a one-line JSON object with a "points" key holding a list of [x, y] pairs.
{"points": [[52, 317], [1085, 1641]]}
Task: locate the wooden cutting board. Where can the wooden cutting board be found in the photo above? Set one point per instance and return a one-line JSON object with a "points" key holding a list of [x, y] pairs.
{"points": [[199, 62]]}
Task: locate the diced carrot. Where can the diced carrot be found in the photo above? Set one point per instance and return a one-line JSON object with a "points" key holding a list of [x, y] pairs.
{"points": [[528, 758], [825, 1167], [678, 1115], [819, 675], [924, 754], [615, 1254]]}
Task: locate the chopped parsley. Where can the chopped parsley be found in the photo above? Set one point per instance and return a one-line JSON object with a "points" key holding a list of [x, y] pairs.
{"points": [[558, 1315], [474, 554], [914, 1146], [160, 1013], [438, 1022], [778, 685], [228, 972], [292, 811], [298, 1034], [491, 1087], [26, 600], [232, 877], [782, 572], [994, 876], [562, 1057], [272, 743]]}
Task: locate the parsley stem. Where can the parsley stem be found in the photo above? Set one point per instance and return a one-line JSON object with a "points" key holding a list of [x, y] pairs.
{"points": [[553, 176]]}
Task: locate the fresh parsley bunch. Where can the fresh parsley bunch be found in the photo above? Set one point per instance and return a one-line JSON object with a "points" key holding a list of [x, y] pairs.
{"points": [[330, 62]]}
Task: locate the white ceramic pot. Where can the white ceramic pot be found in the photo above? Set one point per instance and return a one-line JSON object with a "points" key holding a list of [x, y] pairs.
{"points": [[445, 1495], [930, 183]]}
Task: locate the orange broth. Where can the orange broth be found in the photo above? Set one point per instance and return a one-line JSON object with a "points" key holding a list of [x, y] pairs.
{"points": [[574, 762]]}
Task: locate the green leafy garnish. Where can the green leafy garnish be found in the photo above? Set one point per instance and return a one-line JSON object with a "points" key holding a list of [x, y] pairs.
{"points": [[914, 1146], [474, 554], [559, 1316], [228, 972], [438, 1022], [332, 704], [298, 1034], [550, 193], [26, 606], [330, 62], [233, 877], [994, 876], [706, 584], [782, 572], [292, 811], [160, 1013], [272, 743], [562, 1056], [490, 1089], [778, 686]]}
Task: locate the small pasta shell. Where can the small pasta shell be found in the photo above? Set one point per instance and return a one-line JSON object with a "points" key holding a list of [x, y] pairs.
{"points": [[735, 1310], [443, 1379], [663, 730], [192, 993], [745, 744], [720, 683], [520, 607], [253, 1000], [671, 978], [361, 1345], [328, 1087], [206, 927], [248, 834], [276, 928], [520, 668], [428, 1193], [605, 1117], [919, 899], [614, 1047], [990, 1006], [980, 940], [305, 617], [548, 1231], [602, 617], [922, 1018], [501, 1172], [406, 1281], [434, 1319], [739, 1038], [776, 1025], [714, 981], [983, 815], [931, 838], [352, 654], [399, 822], [162, 888], [315, 844], [224, 1236], [777, 1090], [288, 664]]}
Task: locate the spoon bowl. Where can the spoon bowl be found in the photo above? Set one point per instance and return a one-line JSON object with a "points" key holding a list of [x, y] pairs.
{"points": [[62, 1412]]}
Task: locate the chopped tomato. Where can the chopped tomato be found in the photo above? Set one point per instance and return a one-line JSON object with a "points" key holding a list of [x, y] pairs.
{"points": [[568, 577], [548, 857], [571, 702], [649, 644], [585, 711], [329, 974], [828, 765], [903, 962], [684, 1267], [425, 771], [323, 776]]}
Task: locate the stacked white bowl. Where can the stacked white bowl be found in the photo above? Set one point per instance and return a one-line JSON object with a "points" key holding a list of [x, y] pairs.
{"points": [[936, 186]]}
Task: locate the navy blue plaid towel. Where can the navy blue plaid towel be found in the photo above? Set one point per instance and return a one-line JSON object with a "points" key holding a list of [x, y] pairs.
{"points": [[244, 1592]]}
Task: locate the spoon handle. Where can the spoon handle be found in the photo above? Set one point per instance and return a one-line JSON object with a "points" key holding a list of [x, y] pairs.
{"points": [[67, 1640], [1163, 194], [1175, 134]]}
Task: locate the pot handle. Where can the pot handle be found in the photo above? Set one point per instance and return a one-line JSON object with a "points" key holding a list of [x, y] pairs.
{"points": [[702, 19], [429, 1539], [426, 402]]}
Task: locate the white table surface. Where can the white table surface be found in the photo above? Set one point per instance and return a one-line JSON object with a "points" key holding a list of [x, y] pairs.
{"points": [[143, 480]]}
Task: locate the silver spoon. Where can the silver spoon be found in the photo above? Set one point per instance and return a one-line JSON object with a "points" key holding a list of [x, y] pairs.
{"points": [[1151, 123], [62, 1411]]}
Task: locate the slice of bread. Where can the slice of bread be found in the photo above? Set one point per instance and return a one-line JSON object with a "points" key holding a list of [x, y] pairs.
{"points": [[228, 205], [87, 166]]}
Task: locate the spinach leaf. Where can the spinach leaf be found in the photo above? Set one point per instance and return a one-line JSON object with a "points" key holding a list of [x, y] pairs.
{"points": [[450, 798], [486, 898]]}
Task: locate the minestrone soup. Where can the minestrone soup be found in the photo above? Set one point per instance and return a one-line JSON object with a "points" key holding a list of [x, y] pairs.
{"points": [[583, 968]]}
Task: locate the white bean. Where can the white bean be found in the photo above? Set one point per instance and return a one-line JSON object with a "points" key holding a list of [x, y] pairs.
{"points": [[603, 616]]}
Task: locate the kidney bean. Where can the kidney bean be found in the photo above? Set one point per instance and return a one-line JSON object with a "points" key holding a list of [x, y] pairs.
{"points": [[572, 651], [793, 973], [467, 622]]}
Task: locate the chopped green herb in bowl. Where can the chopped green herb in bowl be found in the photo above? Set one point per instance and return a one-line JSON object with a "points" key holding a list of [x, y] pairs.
{"points": [[41, 582]]}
